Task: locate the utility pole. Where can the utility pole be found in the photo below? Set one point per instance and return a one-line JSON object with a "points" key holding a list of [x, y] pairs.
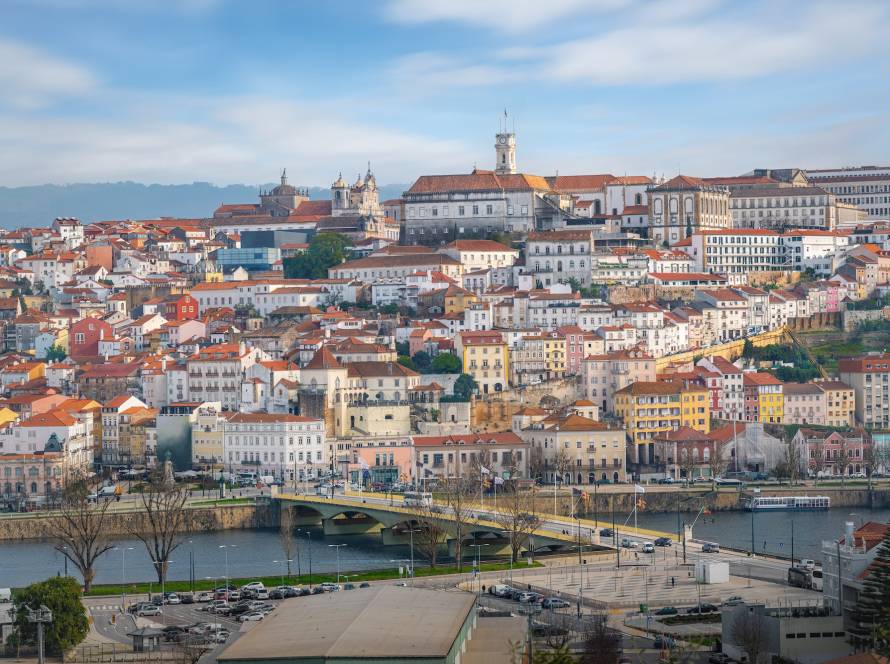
{"points": [[41, 617]]}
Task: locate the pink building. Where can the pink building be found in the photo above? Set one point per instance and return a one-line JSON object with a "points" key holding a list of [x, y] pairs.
{"points": [[603, 375], [381, 462], [822, 453]]}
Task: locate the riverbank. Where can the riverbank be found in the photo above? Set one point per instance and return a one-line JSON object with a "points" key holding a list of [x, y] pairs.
{"points": [[115, 590]]}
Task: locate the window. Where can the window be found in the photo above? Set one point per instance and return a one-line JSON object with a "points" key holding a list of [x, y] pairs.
{"points": [[489, 209], [475, 209]]}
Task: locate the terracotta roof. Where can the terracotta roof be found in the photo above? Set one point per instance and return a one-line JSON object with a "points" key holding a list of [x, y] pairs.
{"points": [[411, 260], [760, 378], [379, 369], [581, 183], [323, 359], [53, 418], [559, 236], [478, 180], [253, 418], [477, 245]]}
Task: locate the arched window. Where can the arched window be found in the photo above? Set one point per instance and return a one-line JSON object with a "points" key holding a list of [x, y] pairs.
{"points": [[657, 206], [674, 206], [638, 199]]}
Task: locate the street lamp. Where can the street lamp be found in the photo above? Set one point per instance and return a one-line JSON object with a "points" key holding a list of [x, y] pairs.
{"points": [[309, 537], [283, 562], [338, 547], [226, 548], [123, 550]]}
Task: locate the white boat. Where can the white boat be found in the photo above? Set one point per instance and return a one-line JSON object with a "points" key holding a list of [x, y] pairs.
{"points": [[794, 503]]}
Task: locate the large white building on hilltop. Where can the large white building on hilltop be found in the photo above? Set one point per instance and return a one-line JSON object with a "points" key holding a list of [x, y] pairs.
{"points": [[867, 187]]}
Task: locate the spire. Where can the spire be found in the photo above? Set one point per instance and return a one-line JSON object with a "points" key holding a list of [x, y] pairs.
{"points": [[284, 176]]}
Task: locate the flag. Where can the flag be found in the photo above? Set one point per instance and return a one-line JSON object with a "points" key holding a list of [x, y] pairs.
{"points": [[484, 470], [638, 488], [498, 480]]}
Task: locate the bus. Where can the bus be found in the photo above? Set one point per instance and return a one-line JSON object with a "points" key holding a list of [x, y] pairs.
{"points": [[816, 581], [800, 577], [418, 499]]}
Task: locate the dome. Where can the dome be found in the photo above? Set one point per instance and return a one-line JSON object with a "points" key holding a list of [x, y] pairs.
{"points": [[340, 183], [284, 189]]}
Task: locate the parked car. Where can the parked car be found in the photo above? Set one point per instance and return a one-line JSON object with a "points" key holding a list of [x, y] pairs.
{"points": [[735, 600], [148, 610], [253, 585], [187, 598], [251, 617], [663, 541], [317, 590], [171, 598], [648, 547], [666, 480], [348, 586], [219, 606], [719, 658], [702, 608], [607, 532], [364, 584], [808, 564], [173, 632], [629, 544], [330, 587], [554, 603], [667, 611], [710, 547], [498, 590], [261, 594]]}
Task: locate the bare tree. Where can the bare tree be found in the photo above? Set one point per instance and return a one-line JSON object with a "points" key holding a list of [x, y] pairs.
{"points": [[286, 535], [869, 457], [717, 461], [459, 499], [816, 462], [842, 460], [749, 633], [792, 460], [536, 465], [602, 645], [562, 464], [80, 529], [163, 521], [191, 649], [516, 518], [687, 463], [428, 535]]}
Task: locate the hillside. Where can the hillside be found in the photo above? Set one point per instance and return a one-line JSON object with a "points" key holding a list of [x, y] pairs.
{"points": [[39, 205]]}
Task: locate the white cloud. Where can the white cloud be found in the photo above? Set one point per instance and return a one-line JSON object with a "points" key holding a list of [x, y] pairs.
{"points": [[236, 140], [428, 70], [505, 15], [31, 78]]}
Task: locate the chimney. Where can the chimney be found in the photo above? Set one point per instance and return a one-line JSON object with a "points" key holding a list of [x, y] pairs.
{"points": [[848, 533]]}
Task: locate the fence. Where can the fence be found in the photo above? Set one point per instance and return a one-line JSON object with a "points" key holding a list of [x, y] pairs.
{"points": [[118, 652]]}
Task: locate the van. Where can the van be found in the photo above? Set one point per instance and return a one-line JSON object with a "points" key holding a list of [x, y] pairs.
{"points": [[499, 590], [710, 547]]}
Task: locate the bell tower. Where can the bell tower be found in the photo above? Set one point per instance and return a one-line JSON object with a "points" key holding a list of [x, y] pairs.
{"points": [[505, 149]]}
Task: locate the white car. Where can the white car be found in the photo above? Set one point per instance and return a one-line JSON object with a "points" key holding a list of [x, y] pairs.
{"points": [[629, 544], [253, 585], [648, 547], [148, 610], [330, 587], [251, 617], [204, 597], [808, 563]]}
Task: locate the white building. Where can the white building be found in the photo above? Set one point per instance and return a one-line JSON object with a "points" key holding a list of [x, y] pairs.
{"points": [[867, 187], [557, 256], [287, 447]]}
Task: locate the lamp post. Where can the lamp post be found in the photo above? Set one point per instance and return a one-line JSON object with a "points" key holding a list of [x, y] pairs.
{"points": [[309, 537], [338, 547], [478, 562], [123, 550], [225, 548]]}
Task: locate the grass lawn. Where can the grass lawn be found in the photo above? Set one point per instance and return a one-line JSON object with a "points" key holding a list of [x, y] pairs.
{"points": [[272, 581], [685, 619]]}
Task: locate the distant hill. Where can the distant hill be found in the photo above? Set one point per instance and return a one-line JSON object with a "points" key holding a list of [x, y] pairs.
{"points": [[39, 205]]}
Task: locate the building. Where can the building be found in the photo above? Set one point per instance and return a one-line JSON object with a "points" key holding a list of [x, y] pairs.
{"points": [[604, 374], [684, 453], [573, 449], [685, 205], [555, 257], [867, 187], [503, 454], [845, 563], [383, 623], [869, 377], [486, 357], [215, 373], [476, 255], [824, 453], [652, 408], [805, 634], [284, 446], [763, 397], [826, 403], [737, 251], [784, 207], [375, 268]]}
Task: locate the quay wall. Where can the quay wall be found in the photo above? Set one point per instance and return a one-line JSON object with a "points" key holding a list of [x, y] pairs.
{"points": [[198, 519]]}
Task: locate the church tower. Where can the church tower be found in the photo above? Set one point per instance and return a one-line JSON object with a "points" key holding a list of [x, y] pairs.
{"points": [[340, 197], [505, 150]]}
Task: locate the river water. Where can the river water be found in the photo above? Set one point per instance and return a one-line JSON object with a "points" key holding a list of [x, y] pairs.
{"points": [[253, 552]]}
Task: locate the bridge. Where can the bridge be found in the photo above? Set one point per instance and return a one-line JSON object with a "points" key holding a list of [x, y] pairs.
{"points": [[360, 515]]}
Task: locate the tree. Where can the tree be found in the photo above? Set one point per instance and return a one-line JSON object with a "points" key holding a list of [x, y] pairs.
{"points": [[870, 618], [842, 460], [536, 465], [717, 461], [792, 460], [389, 309], [464, 387], [458, 496], [55, 353], [422, 361], [517, 520], [749, 633], [601, 644], [562, 464], [405, 361], [286, 535], [817, 458], [79, 529], [403, 348], [687, 463], [428, 533], [191, 649], [446, 363], [163, 522], [325, 251], [559, 655], [748, 349], [61, 595]]}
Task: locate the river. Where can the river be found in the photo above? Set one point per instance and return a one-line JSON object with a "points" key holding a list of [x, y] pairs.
{"points": [[253, 552]]}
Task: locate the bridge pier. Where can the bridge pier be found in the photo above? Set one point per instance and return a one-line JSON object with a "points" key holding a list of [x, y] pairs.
{"points": [[393, 537], [359, 525], [499, 547]]}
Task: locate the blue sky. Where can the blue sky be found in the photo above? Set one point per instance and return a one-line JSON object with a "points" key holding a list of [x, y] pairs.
{"points": [[229, 91]]}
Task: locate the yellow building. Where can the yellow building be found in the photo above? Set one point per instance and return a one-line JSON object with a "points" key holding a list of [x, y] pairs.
{"points": [[764, 398], [457, 299], [486, 358], [652, 408]]}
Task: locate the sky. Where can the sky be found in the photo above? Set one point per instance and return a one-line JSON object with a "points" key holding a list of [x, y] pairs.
{"points": [[229, 91]]}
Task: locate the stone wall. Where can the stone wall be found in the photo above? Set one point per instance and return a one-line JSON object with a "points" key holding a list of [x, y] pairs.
{"points": [[495, 412], [730, 350], [198, 519], [852, 319], [821, 320]]}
